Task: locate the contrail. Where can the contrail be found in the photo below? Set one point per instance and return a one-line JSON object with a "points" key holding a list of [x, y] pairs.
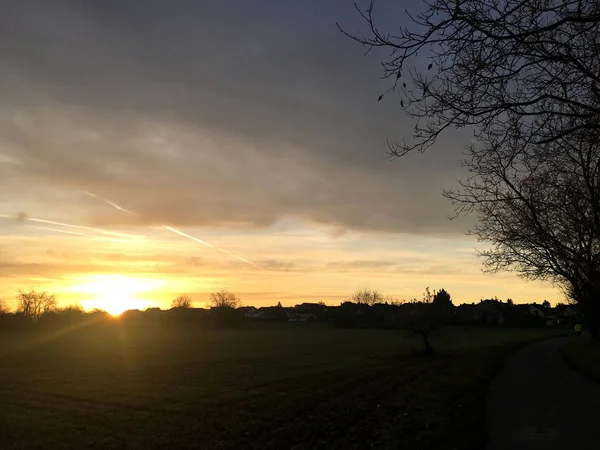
{"points": [[141, 243], [181, 233], [113, 204], [173, 230], [58, 230], [69, 225]]}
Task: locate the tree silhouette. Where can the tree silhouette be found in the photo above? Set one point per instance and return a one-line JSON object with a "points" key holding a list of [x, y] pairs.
{"points": [[4, 308], [183, 301], [35, 304], [427, 316], [539, 207], [493, 63], [523, 75], [367, 297], [224, 299], [442, 300], [546, 304]]}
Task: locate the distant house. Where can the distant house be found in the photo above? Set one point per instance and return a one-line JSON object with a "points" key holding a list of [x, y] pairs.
{"points": [[189, 314], [300, 317], [250, 312], [566, 314], [538, 310], [519, 315], [465, 313], [570, 311], [489, 312], [486, 312], [266, 313], [317, 310], [385, 313], [310, 308]]}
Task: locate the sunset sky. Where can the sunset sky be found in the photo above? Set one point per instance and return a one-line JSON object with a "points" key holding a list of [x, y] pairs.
{"points": [[128, 128]]}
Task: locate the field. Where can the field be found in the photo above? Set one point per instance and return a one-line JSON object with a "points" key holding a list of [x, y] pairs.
{"points": [[288, 386]]}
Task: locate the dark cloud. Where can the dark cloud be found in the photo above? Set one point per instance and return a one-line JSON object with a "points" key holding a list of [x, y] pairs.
{"points": [[211, 113]]}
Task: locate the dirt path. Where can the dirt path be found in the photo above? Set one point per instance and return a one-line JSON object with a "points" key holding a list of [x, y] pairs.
{"points": [[538, 403]]}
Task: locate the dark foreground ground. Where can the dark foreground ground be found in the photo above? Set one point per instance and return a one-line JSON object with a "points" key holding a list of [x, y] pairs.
{"points": [[583, 355], [282, 387], [538, 402]]}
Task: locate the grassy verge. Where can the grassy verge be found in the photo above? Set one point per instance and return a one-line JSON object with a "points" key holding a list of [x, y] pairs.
{"points": [[583, 355], [294, 389]]}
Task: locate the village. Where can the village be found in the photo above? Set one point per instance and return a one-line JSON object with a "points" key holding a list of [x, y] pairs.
{"points": [[487, 312]]}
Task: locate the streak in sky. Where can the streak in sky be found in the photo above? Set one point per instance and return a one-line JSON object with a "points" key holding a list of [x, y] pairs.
{"points": [[69, 225], [75, 233], [181, 233], [173, 230], [113, 204]]}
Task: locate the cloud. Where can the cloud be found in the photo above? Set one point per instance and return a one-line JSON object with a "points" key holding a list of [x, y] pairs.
{"points": [[209, 114], [360, 265], [279, 265]]}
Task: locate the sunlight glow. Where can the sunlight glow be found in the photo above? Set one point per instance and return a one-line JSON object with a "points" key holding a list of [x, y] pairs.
{"points": [[115, 293]]}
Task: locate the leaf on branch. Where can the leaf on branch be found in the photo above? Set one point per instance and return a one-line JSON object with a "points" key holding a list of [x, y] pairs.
{"points": [[380, 97], [429, 66]]}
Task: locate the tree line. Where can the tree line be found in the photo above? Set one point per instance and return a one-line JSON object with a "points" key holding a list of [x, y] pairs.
{"points": [[34, 304], [364, 308]]}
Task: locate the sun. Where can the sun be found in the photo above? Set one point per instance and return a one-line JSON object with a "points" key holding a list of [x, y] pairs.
{"points": [[115, 293]]}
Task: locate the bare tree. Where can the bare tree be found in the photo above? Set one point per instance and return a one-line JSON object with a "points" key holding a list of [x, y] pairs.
{"points": [[539, 208], [183, 301], [367, 297], [224, 299], [486, 63], [524, 75], [35, 304], [427, 316], [4, 308]]}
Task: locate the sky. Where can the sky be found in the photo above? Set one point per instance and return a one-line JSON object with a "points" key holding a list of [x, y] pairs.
{"points": [[152, 149]]}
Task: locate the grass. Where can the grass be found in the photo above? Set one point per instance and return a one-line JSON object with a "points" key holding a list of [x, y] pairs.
{"points": [[584, 356], [295, 387]]}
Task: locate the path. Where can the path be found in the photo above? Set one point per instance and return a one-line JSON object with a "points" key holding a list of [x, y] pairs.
{"points": [[538, 403]]}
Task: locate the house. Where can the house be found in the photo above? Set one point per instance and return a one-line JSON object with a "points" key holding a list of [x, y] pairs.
{"points": [[570, 311], [552, 319], [310, 308], [266, 313], [566, 314], [300, 317], [466, 314], [519, 315], [385, 313], [537, 310], [315, 309], [190, 315], [249, 312], [489, 312]]}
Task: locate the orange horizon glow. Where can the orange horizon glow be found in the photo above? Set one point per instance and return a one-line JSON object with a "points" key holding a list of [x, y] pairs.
{"points": [[292, 266], [115, 294]]}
